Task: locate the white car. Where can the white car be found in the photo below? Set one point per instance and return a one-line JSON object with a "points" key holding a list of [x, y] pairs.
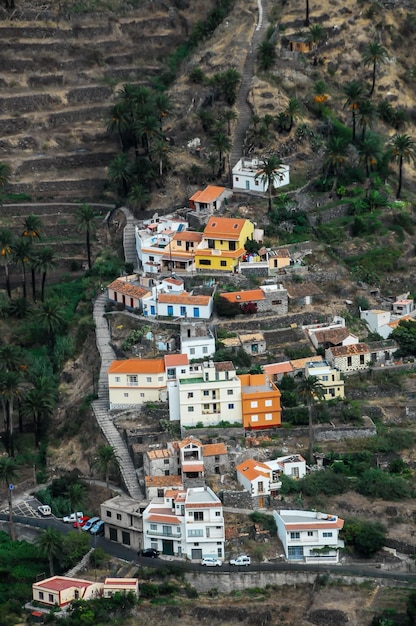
{"points": [[45, 510], [243, 559], [71, 518], [211, 561]]}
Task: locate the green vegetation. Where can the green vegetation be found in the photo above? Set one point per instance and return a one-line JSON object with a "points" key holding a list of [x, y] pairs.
{"points": [[365, 537]]}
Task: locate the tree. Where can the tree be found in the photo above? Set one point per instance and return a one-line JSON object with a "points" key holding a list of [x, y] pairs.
{"points": [[374, 54], [266, 54], [293, 112], [160, 149], [320, 93], [370, 151], [365, 536], [405, 335], [6, 252], [315, 36], [86, 223], [10, 388], [106, 460], [119, 173], [39, 403], [222, 145], [307, 21], [51, 314], [147, 129], [411, 607], [21, 254], [5, 173], [354, 93], [8, 475], [44, 261], [402, 150], [269, 173], [311, 391], [225, 308], [76, 495], [335, 155], [49, 544], [32, 228], [366, 116], [229, 115], [138, 196]]}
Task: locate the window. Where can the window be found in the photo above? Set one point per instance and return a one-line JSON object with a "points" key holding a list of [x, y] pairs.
{"points": [[206, 392], [327, 534], [179, 243], [231, 406], [118, 516], [190, 394], [276, 302], [192, 351], [223, 263], [167, 530], [310, 533], [108, 513], [260, 487], [125, 394], [254, 404], [160, 379], [204, 350], [231, 245], [237, 178], [151, 258], [153, 526], [198, 532], [230, 392], [165, 461], [40, 595], [51, 598], [190, 409], [148, 379], [294, 472], [217, 513], [254, 418], [125, 538], [183, 371], [198, 516], [349, 361], [167, 473], [269, 417], [206, 407], [294, 535], [268, 403], [117, 379], [142, 395], [256, 182], [325, 379], [113, 534], [160, 493], [204, 262], [361, 359]]}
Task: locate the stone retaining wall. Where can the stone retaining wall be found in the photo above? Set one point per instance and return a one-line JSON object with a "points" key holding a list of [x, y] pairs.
{"points": [[26, 104], [89, 94], [65, 118], [236, 499], [99, 159]]}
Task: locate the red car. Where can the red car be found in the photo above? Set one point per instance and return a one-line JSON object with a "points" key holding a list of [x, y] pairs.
{"points": [[81, 521]]}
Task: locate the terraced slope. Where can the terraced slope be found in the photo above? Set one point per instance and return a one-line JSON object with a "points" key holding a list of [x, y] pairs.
{"points": [[58, 79]]}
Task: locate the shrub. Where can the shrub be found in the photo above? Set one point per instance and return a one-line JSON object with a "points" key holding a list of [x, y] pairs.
{"points": [[365, 537], [375, 483]]}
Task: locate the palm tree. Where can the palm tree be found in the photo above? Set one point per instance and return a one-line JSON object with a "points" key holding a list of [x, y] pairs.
{"points": [[269, 173], [266, 54], [320, 92], [44, 261], [311, 390], [335, 155], [8, 475], [315, 36], [49, 544], [10, 388], [51, 314], [163, 106], [354, 93], [139, 196], [86, 223], [39, 403], [120, 122], [76, 495], [366, 116], [119, 173], [146, 129], [370, 151], [222, 145], [160, 150], [21, 254], [6, 252], [229, 116], [106, 460], [402, 150], [32, 228], [374, 55], [293, 111]]}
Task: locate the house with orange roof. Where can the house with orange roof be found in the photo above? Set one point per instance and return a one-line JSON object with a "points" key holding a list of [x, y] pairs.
{"points": [[188, 523], [62, 590], [123, 520], [152, 237], [384, 322], [132, 382], [158, 486], [127, 291], [268, 298], [169, 299], [255, 477], [209, 199], [260, 400], [179, 254], [247, 176], [309, 536], [223, 242], [276, 371]]}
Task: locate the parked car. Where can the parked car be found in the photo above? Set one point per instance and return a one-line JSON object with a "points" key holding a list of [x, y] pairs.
{"points": [[149, 552], [72, 517], [243, 559], [45, 510], [88, 525], [98, 528], [81, 521], [211, 561]]}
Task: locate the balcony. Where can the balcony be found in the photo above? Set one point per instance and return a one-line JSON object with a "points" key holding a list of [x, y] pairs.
{"points": [[165, 534], [132, 383]]}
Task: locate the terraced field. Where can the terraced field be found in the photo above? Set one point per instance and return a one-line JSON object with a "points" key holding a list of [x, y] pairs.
{"points": [[59, 75]]}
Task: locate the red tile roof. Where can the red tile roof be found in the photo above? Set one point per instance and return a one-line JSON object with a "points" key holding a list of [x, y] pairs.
{"points": [[137, 366], [224, 228], [183, 298], [163, 481], [128, 289], [187, 235], [278, 368], [331, 335], [252, 469], [173, 360], [214, 449], [249, 295], [208, 195], [355, 348], [164, 519], [60, 583]]}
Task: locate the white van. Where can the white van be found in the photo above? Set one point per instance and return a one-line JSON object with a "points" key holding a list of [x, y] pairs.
{"points": [[243, 559], [44, 510]]}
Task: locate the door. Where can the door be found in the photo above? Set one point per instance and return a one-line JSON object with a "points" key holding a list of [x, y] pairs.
{"points": [[170, 309], [261, 502], [196, 311], [152, 310], [247, 184], [196, 553], [167, 547]]}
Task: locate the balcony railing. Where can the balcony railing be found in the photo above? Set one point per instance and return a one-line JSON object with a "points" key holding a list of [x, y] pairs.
{"points": [[155, 533], [131, 383]]}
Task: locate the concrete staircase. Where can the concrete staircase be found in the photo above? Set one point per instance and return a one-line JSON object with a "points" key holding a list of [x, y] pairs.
{"points": [[129, 239], [244, 109], [100, 406]]}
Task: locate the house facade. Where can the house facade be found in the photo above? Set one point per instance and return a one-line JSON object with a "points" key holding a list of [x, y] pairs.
{"points": [[246, 176], [329, 337], [197, 340], [260, 402], [133, 382], [330, 379], [309, 536], [268, 298], [179, 253], [127, 291], [123, 517], [62, 590], [152, 237], [169, 299], [222, 245], [209, 199], [186, 524], [350, 358]]}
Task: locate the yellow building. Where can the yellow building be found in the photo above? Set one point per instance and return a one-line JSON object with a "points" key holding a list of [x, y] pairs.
{"points": [[329, 378], [223, 242], [133, 382]]}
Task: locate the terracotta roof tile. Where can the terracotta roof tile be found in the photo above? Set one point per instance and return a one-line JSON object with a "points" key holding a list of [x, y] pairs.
{"points": [[214, 449], [173, 360], [252, 469], [137, 366], [278, 368], [188, 235], [183, 298], [249, 295], [128, 289], [167, 519], [207, 195], [355, 348], [60, 583], [224, 228], [163, 481], [331, 335]]}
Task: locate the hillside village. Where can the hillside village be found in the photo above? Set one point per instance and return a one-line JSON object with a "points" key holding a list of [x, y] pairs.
{"points": [[240, 336]]}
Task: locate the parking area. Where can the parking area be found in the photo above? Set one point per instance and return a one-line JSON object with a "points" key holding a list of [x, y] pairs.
{"points": [[25, 508]]}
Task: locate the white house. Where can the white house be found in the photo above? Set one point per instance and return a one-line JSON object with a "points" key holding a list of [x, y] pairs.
{"points": [[197, 340], [291, 465], [186, 524], [210, 199], [309, 536], [245, 176], [169, 299], [152, 237], [377, 321], [132, 382]]}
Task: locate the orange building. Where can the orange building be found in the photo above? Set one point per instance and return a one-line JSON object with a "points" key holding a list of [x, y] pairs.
{"points": [[260, 402]]}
